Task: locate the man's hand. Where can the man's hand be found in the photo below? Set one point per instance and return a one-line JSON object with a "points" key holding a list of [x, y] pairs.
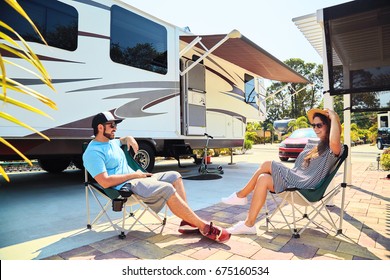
{"points": [[143, 174], [130, 142]]}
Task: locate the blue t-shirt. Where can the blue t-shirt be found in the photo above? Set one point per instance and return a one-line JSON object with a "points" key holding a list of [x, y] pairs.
{"points": [[107, 157]]}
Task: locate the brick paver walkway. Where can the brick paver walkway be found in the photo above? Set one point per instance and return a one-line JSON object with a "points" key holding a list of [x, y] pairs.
{"points": [[366, 232]]}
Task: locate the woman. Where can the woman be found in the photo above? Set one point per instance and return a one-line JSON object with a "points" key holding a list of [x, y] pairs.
{"points": [[311, 166]]}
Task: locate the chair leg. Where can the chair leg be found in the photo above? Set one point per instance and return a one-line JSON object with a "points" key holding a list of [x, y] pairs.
{"points": [[279, 209], [103, 209], [88, 211], [122, 235], [305, 215], [266, 215], [343, 186], [294, 234], [311, 210]]}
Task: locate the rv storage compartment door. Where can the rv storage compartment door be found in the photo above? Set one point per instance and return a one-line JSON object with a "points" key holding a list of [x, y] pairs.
{"points": [[196, 100]]}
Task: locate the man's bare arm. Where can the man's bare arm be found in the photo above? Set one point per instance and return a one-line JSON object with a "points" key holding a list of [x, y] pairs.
{"points": [[108, 181]]}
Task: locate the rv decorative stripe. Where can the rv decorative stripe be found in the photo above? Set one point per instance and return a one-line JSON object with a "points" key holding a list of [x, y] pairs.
{"points": [[93, 35]]}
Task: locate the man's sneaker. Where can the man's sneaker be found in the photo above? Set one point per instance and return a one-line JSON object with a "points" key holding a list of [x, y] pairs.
{"points": [[187, 228], [233, 199], [241, 228], [216, 233]]}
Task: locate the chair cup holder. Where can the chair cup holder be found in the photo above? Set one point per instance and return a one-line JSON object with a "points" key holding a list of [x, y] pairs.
{"points": [[117, 204]]}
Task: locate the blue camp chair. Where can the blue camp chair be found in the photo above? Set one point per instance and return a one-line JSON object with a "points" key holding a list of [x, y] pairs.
{"points": [[315, 199], [131, 206]]}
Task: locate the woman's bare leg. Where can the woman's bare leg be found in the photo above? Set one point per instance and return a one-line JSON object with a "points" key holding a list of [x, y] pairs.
{"points": [[265, 168], [262, 185]]}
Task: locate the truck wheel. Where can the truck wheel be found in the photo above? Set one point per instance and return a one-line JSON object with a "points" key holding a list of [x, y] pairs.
{"points": [[379, 145], [52, 165], [145, 156]]}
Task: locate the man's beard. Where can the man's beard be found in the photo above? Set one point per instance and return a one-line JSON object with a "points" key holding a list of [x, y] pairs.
{"points": [[107, 135]]}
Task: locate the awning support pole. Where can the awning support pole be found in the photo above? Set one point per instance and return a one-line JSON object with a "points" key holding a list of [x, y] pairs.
{"points": [[232, 34], [328, 99], [190, 46]]}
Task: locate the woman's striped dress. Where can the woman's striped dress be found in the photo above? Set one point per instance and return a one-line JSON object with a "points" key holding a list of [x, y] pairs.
{"points": [[300, 176]]}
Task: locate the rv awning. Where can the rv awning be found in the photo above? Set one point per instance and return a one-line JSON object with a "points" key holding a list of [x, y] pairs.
{"points": [[246, 54]]}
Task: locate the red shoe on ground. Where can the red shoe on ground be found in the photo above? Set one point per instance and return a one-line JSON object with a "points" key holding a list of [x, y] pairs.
{"points": [[187, 228], [215, 233]]}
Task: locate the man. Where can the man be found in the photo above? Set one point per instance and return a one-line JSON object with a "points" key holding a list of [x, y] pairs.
{"points": [[105, 161]]}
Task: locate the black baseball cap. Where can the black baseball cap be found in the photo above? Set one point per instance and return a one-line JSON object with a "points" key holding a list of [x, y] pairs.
{"points": [[104, 117]]}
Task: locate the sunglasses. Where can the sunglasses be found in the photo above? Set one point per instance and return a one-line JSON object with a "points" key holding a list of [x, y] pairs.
{"points": [[111, 124], [318, 125]]}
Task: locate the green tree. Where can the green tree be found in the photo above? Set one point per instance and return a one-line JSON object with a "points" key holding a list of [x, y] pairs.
{"points": [[301, 122], [305, 97], [364, 120], [19, 48], [294, 100]]}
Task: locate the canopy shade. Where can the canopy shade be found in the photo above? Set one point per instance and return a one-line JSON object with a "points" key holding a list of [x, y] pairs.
{"points": [[357, 41], [246, 54]]}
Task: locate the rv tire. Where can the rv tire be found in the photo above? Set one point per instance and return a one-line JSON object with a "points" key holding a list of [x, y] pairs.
{"points": [[54, 165], [145, 156]]}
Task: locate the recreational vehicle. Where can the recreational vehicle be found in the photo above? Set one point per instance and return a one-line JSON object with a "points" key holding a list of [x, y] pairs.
{"points": [[282, 125], [169, 85]]}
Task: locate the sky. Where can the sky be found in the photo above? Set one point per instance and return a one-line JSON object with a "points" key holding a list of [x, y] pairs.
{"points": [[267, 23]]}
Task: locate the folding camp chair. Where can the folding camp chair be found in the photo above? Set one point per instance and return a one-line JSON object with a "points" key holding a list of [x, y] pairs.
{"points": [[106, 197], [314, 199]]}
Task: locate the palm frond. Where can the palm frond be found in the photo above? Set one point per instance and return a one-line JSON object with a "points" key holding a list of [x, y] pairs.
{"points": [[23, 51], [16, 86], [3, 76], [10, 118], [24, 106], [6, 61], [5, 142], [2, 172], [15, 5]]}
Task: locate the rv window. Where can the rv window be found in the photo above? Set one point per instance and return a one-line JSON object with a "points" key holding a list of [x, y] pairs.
{"points": [[57, 22], [250, 92], [137, 41]]}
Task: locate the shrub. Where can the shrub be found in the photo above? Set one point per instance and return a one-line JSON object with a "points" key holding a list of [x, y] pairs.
{"points": [[248, 144], [385, 159], [200, 152], [221, 151], [252, 136]]}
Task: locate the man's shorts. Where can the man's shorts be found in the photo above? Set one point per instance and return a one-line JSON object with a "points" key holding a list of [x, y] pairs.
{"points": [[155, 190]]}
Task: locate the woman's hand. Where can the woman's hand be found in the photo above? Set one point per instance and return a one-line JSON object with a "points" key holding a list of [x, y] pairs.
{"points": [[332, 115]]}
